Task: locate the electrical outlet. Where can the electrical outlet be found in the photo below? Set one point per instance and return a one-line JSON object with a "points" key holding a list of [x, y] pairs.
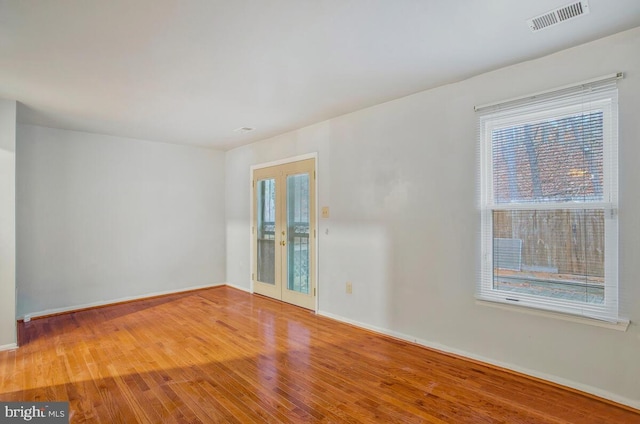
{"points": [[325, 211], [349, 287]]}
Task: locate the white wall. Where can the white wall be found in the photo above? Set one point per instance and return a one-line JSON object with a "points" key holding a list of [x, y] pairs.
{"points": [[7, 224], [400, 180], [103, 218]]}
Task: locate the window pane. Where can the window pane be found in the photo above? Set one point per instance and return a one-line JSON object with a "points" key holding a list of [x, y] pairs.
{"points": [[298, 224], [266, 243], [558, 159], [556, 254]]}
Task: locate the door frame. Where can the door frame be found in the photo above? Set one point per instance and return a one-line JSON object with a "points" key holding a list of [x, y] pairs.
{"points": [[252, 258]]}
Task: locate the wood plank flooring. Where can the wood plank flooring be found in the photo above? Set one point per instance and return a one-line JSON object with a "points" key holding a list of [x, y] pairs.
{"points": [[222, 355]]}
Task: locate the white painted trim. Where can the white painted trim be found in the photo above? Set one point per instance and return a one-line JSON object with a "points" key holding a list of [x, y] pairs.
{"points": [[10, 346], [621, 325], [235, 286], [314, 156], [443, 348], [28, 317], [251, 221]]}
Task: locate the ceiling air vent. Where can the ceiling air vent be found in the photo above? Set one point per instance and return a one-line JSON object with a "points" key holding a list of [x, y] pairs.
{"points": [[556, 16]]}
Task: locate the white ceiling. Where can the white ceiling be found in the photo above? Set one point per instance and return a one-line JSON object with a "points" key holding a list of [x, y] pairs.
{"points": [[192, 71]]}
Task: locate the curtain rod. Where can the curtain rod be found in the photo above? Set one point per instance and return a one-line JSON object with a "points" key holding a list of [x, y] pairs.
{"points": [[610, 77]]}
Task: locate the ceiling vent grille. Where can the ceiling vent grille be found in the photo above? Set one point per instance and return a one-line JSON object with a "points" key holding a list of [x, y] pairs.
{"points": [[556, 16]]}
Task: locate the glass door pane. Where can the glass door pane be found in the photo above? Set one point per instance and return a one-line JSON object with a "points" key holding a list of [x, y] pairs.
{"points": [[266, 222], [298, 226]]}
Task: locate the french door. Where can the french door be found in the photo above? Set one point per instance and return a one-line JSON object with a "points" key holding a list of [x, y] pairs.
{"points": [[284, 232]]}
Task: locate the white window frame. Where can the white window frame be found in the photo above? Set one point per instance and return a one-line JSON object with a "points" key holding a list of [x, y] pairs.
{"points": [[536, 109]]}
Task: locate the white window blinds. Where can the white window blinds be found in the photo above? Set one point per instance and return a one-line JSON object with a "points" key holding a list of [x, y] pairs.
{"points": [[549, 198]]}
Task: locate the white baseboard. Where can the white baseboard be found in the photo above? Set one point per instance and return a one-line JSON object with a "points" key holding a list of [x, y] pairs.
{"points": [[28, 317], [436, 346], [244, 289], [10, 346]]}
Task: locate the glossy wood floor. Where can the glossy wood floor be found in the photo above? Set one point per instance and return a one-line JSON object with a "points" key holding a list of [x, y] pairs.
{"points": [[222, 355]]}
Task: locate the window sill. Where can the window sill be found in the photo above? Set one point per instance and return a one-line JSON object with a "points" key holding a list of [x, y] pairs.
{"points": [[621, 325]]}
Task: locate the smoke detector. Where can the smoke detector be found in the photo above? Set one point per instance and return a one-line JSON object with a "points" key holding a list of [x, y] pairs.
{"points": [[559, 15]]}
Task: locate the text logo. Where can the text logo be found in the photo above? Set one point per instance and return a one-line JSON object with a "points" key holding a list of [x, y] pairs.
{"points": [[36, 412]]}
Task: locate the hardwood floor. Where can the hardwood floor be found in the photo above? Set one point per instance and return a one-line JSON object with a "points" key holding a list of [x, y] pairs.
{"points": [[222, 355]]}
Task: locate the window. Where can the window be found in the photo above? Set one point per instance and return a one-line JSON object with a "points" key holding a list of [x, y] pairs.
{"points": [[549, 199]]}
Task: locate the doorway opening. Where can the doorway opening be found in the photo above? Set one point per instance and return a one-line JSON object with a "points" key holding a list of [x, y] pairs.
{"points": [[283, 233]]}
